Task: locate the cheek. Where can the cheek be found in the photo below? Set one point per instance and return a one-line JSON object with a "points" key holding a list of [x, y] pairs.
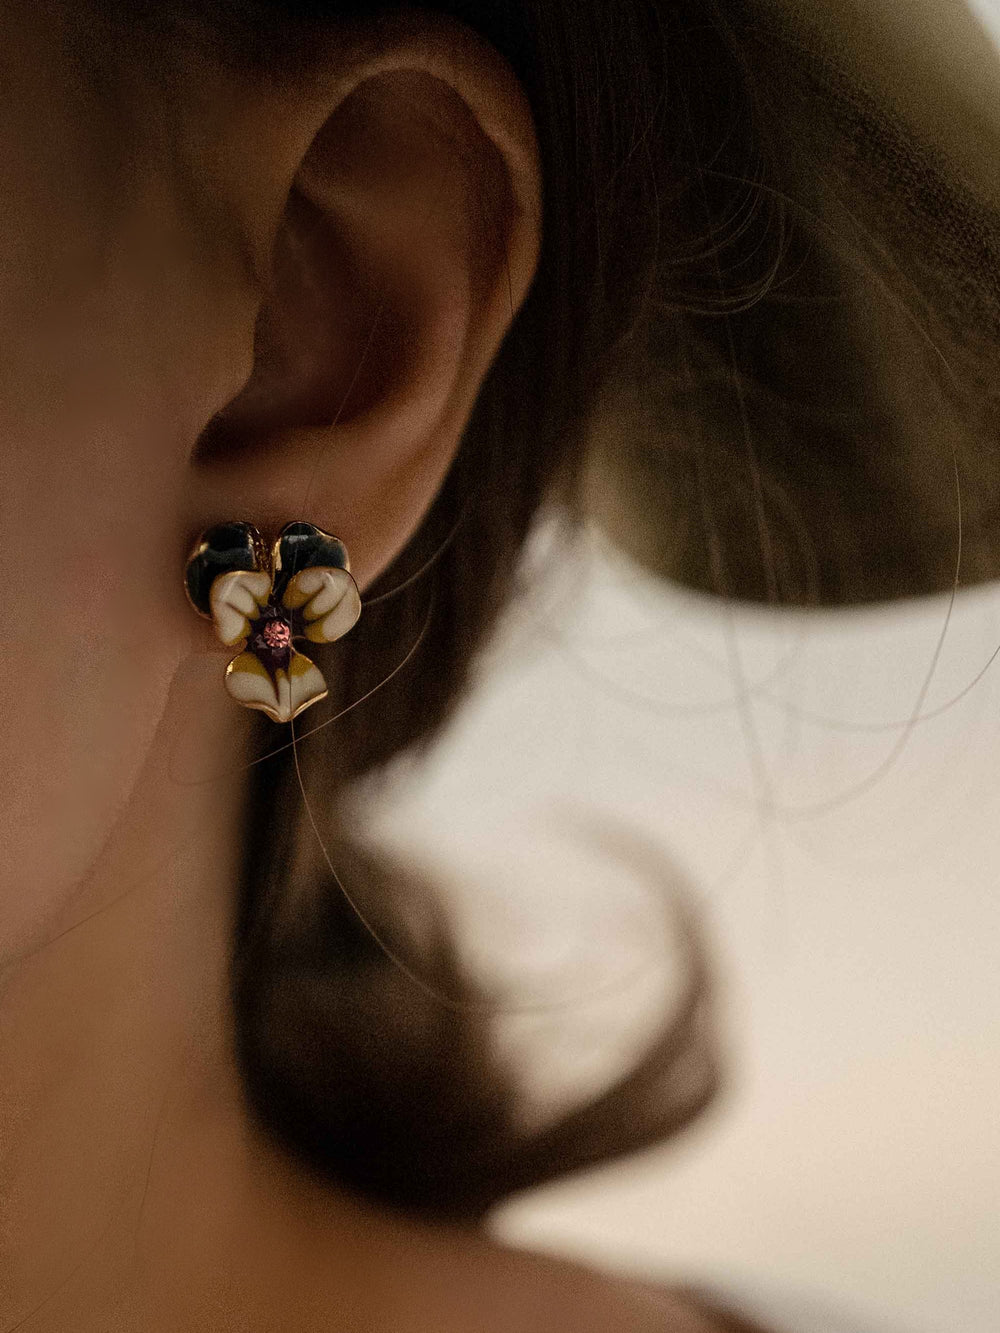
{"points": [[87, 664]]}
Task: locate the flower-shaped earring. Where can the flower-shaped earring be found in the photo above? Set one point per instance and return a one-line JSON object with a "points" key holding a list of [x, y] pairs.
{"points": [[260, 600]]}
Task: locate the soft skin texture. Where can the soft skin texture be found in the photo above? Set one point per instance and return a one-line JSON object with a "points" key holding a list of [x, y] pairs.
{"points": [[146, 226]]}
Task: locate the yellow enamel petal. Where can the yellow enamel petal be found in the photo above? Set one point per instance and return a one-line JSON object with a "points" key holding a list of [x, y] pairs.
{"points": [[249, 684], [235, 599], [281, 698], [330, 601], [306, 683], [321, 585]]}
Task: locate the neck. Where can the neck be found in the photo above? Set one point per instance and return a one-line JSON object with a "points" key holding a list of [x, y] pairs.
{"points": [[135, 1196], [126, 1162]]}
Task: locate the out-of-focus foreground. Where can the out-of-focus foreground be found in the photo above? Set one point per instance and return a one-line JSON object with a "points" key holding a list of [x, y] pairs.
{"points": [[846, 864]]}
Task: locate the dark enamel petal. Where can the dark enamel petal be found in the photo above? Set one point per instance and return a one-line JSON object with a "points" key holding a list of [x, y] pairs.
{"points": [[304, 546], [220, 550]]}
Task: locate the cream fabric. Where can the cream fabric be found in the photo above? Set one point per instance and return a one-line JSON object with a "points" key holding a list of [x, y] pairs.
{"points": [[791, 1313]]}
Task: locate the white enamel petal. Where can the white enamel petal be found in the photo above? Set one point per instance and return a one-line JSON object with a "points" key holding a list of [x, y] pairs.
{"points": [[342, 618], [321, 585], [281, 698], [306, 684], [330, 601], [250, 685], [235, 598]]}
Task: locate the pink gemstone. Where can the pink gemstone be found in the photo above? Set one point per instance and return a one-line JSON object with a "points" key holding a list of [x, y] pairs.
{"points": [[277, 634]]}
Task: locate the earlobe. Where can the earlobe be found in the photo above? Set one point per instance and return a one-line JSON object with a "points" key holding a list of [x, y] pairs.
{"points": [[407, 240]]}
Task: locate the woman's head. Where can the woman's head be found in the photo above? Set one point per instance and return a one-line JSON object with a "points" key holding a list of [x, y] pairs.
{"points": [[330, 259], [260, 263], [265, 266], [393, 272]]}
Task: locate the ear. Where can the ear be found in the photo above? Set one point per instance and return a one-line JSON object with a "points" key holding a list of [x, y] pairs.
{"points": [[395, 203]]}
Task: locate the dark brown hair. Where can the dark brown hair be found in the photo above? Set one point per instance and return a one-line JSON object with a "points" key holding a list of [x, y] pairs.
{"points": [[369, 1079], [718, 357]]}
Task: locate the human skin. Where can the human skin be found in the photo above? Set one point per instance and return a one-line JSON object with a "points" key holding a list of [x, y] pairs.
{"points": [[133, 1194], [137, 236], [145, 225]]}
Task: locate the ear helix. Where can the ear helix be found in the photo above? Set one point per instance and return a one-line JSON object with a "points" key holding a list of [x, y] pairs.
{"points": [[262, 598]]}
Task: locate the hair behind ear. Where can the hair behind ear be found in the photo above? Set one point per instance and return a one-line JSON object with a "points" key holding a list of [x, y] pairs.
{"points": [[345, 1062], [373, 1081]]}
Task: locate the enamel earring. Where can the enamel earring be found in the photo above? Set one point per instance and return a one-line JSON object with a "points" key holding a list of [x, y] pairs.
{"points": [[261, 599]]}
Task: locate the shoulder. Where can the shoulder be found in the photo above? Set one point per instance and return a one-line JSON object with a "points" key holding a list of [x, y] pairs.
{"points": [[368, 1266], [475, 1283]]}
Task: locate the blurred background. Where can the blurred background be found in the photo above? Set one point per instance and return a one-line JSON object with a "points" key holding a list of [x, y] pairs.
{"points": [[825, 786]]}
